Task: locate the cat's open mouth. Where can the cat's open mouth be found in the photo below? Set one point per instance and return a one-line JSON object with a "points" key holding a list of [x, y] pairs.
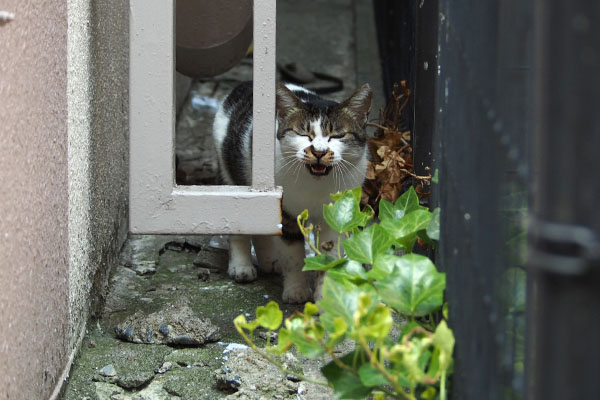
{"points": [[318, 169]]}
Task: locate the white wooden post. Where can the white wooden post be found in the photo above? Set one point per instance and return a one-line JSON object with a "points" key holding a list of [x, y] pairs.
{"points": [[157, 204]]}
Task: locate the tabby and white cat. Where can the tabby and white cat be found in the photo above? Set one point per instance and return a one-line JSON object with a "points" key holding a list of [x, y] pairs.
{"points": [[321, 149]]}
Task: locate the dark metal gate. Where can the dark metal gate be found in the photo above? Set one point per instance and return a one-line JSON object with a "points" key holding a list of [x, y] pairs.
{"points": [[482, 136], [486, 75]]}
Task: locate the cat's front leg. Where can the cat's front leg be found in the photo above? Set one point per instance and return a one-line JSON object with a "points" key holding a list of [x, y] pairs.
{"points": [[240, 260], [275, 253]]}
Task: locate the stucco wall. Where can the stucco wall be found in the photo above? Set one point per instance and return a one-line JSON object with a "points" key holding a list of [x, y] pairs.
{"points": [[34, 260], [98, 148], [63, 179]]}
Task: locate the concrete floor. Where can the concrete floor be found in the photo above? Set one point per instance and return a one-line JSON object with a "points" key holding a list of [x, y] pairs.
{"points": [[178, 279]]}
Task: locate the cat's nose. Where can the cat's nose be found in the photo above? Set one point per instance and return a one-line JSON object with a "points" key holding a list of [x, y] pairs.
{"points": [[316, 153]]}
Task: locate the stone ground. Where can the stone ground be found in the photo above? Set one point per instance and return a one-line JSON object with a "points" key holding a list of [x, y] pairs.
{"points": [[166, 331]]}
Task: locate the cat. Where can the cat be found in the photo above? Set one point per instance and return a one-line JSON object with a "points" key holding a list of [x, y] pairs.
{"points": [[320, 149]]}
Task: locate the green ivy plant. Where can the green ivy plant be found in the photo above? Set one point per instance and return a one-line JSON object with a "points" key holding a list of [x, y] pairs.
{"points": [[380, 295]]}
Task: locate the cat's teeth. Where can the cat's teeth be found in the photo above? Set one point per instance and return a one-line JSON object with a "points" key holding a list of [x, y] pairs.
{"points": [[319, 169]]}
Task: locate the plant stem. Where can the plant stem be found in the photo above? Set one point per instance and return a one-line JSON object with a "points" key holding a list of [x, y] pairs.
{"points": [[339, 246], [443, 386], [388, 391], [336, 360], [391, 378]]}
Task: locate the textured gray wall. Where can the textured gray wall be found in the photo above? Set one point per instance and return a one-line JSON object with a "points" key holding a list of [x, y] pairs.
{"points": [[98, 148], [63, 179], [34, 341]]}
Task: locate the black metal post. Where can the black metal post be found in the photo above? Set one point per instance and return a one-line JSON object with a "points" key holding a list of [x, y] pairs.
{"points": [[564, 249]]}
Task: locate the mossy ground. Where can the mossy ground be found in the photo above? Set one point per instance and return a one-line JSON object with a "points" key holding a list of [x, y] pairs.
{"points": [[176, 277]]}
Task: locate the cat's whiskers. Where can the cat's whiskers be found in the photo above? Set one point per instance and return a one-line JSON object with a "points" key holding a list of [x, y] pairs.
{"points": [[289, 165], [343, 169], [355, 168]]}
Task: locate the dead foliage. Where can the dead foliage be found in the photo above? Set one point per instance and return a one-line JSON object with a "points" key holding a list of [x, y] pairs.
{"points": [[391, 170]]}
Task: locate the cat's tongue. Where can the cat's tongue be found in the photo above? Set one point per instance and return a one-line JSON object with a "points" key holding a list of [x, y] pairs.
{"points": [[318, 168]]}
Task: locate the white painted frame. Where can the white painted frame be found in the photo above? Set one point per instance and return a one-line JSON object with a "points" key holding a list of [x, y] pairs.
{"points": [[156, 203]]}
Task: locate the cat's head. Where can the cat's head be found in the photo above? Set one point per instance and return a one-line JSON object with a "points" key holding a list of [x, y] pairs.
{"points": [[322, 134]]}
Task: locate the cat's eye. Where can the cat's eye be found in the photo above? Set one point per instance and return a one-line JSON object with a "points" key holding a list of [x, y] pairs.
{"points": [[339, 135]]}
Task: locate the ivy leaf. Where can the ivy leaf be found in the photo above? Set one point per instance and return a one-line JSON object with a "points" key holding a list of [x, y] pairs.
{"points": [[371, 376], [364, 246], [241, 323], [433, 229], [351, 270], [321, 262], [388, 211], [383, 266], [415, 287], [307, 340], [443, 338], [338, 334], [378, 323], [338, 300], [344, 215], [409, 201], [412, 222], [429, 393], [346, 385], [310, 309], [270, 316], [367, 215]]}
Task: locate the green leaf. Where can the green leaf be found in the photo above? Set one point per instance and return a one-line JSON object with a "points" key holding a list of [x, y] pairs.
{"points": [[321, 262], [436, 177], [443, 338], [344, 215], [433, 229], [346, 385], [412, 222], [338, 334], [240, 323], [429, 393], [269, 317], [310, 309], [351, 270], [367, 215], [338, 300], [378, 323], [409, 201], [388, 211], [370, 376], [364, 246], [383, 266], [415, 287], [306, 339]]}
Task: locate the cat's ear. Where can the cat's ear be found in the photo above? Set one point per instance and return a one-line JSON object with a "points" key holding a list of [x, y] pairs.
{"points": [[286, 102], [358, 104]]}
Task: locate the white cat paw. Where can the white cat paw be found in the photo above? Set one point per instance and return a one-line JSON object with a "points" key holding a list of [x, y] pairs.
{"points": [[242, 273], [296, 294]]}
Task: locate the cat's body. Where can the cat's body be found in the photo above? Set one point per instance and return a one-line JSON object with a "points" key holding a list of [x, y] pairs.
{"points": [[320, 149]]}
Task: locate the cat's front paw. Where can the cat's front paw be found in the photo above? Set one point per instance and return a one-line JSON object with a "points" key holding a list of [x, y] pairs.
{"points": [[242, 273], [295, 294]]}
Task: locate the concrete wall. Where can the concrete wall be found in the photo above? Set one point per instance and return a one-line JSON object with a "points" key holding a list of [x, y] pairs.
{"points": [[63, 180], [34, 252], [98, 148]]}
